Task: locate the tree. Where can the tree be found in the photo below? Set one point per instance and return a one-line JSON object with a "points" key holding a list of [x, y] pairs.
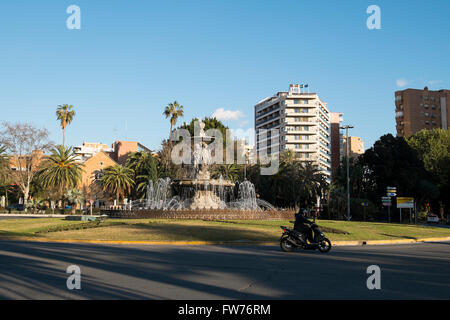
{"points": [[4, 169], [145, 167], [25, 145], [117, 180], [433, 149], [65, 114], [294, 183], [173, 111], [312, 183], [61, 170], [4, 163], [167, 168], [75, 197], [230, 172], [392, 162]]}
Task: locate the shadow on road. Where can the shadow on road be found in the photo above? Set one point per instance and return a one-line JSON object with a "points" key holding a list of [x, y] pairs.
{"points": [[37, 270]]}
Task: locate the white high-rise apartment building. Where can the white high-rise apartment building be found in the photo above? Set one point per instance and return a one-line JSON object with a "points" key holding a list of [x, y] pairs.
{"points": [[303, 123]]}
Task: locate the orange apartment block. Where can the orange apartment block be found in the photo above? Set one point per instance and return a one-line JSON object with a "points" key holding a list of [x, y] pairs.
{"points": [[356, 146], [416, 110], [19, 163], [92, 172], [96, 157]]}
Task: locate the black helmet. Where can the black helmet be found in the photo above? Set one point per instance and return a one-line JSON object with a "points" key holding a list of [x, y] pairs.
{"points": [[303, 212]]}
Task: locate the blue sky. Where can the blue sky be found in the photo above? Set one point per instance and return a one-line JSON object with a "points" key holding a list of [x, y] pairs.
{"points": [[131, 58]]}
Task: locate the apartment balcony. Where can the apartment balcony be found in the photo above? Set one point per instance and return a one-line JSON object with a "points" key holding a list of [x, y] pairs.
{"points": [[268, 103], [311, 131], [266, 113], [258, 124], [291, 139]]}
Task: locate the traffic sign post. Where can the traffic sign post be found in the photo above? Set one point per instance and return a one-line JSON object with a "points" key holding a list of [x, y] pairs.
{"points": [[365, 205], [390, 192], [405, 203], [387, 202]]}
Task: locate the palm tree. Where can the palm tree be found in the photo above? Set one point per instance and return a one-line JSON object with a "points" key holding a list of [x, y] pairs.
{"points": [[60, 170], [173, 111], [227, 171], [117, 179], [65, 114], [145, 167], [313, 182], [74, 196]]}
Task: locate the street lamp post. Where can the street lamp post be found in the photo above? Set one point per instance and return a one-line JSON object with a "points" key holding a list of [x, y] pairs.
{"points": [[346, 127]]}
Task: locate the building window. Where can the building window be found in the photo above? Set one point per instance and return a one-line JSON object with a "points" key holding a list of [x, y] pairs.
{"points": [[305, 128], [296, 101], [297, 137], [98, 174], [305, 101], [304, 110], [297, 146], [297, 110]]}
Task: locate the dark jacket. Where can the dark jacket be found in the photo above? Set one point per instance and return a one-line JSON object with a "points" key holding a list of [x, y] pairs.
{"points": [[301, 223]]}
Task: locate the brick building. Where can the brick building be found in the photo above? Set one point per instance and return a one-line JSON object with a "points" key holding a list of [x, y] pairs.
{"points": [[92, 172], [356, 146], [336, 119], [96, 157], [416, 110]]}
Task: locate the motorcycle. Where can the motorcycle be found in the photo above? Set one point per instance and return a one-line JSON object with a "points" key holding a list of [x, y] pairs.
{"points": [[291, 240]]}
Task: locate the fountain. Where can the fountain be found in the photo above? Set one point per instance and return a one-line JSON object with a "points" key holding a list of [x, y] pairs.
{"points": [[197, 191]]}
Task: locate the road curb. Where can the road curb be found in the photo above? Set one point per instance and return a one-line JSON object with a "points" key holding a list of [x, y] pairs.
{"points": [[229, 243]]}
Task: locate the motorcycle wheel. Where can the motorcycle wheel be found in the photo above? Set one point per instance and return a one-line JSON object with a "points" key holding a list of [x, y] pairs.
{"points": [[325, 245], [286, 246]]}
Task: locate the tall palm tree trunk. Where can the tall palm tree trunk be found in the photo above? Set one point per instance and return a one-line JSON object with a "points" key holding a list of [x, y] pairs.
{"points": [[170, 135]]}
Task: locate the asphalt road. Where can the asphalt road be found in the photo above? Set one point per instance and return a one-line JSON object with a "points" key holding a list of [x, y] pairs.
{"points": [[38, 271]]}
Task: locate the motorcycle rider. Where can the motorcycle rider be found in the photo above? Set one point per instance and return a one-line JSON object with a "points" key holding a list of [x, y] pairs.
{"points": [[303, 225]]}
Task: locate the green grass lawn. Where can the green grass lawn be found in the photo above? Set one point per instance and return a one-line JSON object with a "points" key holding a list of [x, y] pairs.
{"points": [[198, 230]]}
